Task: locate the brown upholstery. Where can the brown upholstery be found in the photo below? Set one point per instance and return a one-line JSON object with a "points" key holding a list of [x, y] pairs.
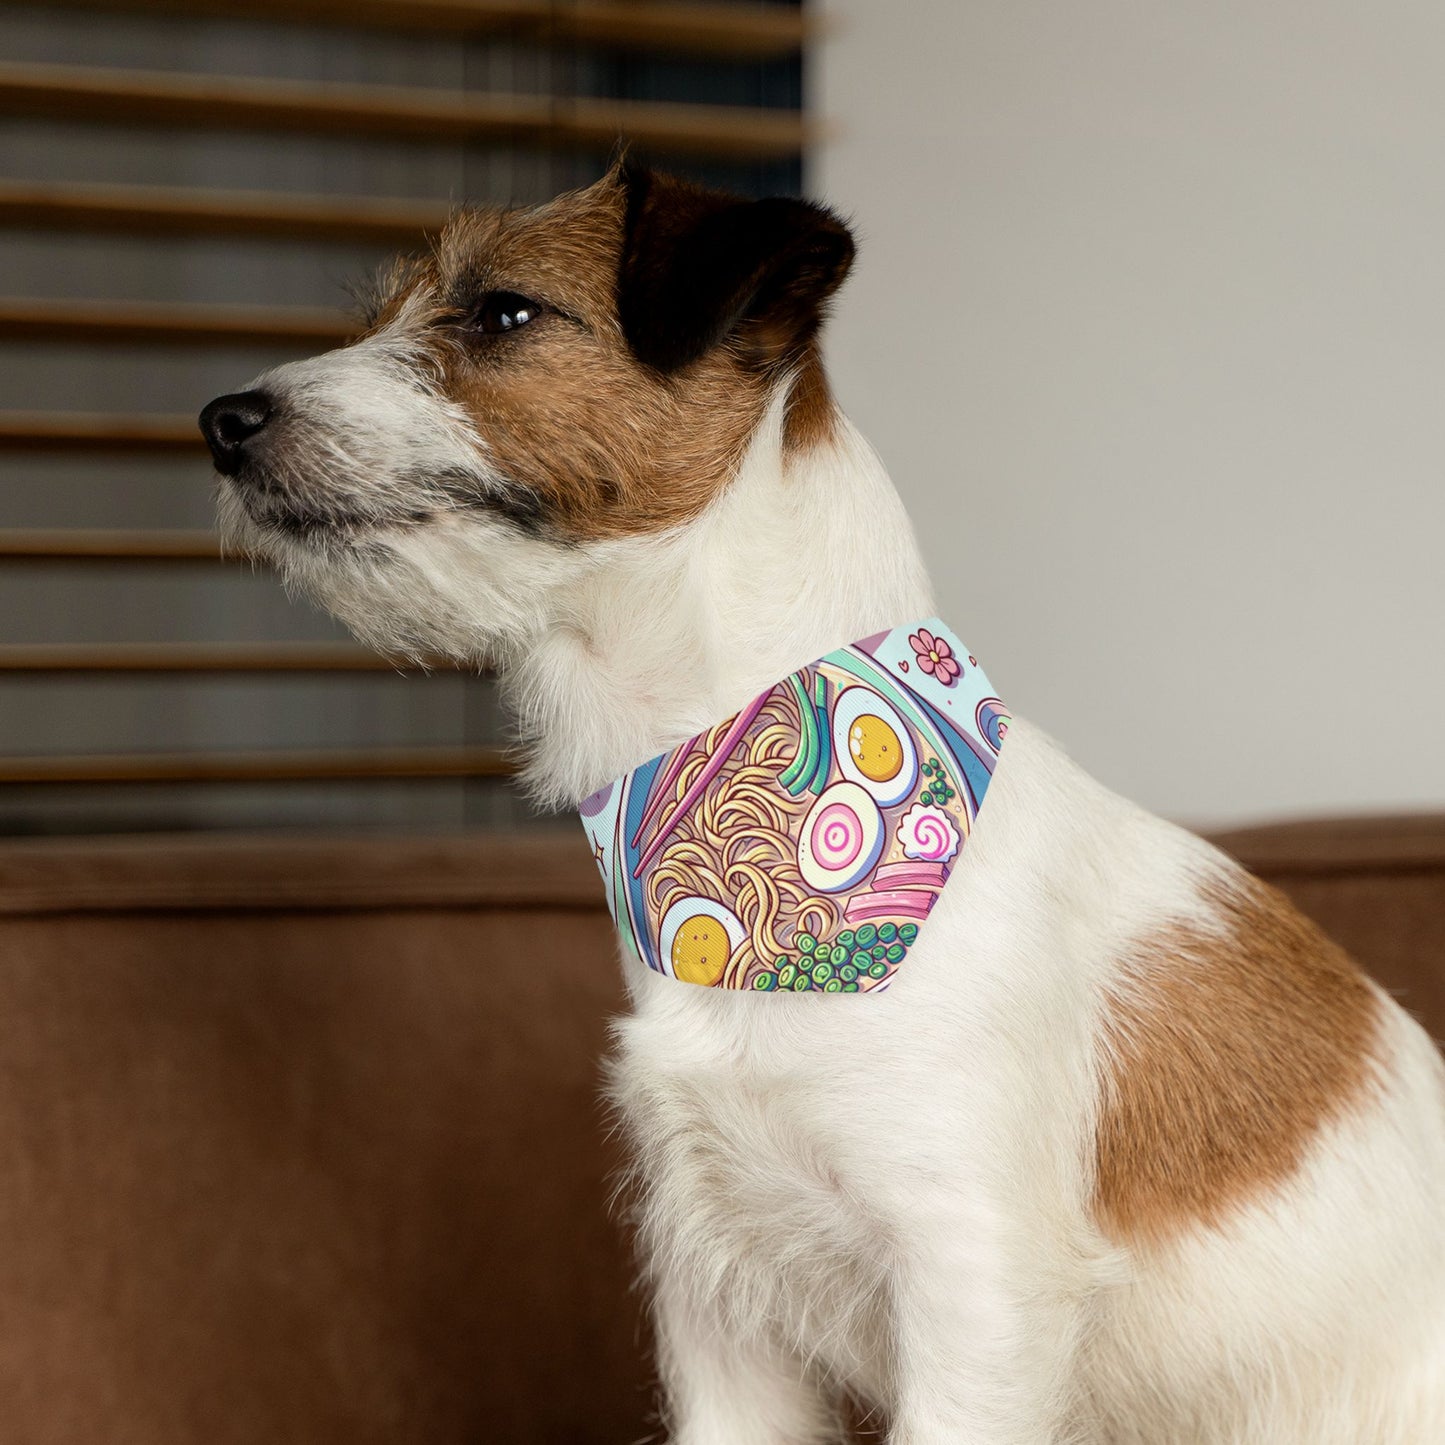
{"points": [[1376, 885], [301, 1142]]}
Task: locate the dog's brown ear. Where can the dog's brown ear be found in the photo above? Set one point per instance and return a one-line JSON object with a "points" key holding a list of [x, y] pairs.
{"points": [[699, 266]]}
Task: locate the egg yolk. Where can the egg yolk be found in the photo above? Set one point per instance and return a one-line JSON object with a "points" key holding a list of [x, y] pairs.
{"points": [[700, 950], [875, 748]]}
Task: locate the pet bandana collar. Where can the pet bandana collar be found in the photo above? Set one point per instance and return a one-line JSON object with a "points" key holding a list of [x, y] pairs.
{"points": [[800, 844]]}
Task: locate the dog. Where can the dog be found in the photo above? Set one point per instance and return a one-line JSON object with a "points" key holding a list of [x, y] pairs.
{"points": [[1128, 1152]]}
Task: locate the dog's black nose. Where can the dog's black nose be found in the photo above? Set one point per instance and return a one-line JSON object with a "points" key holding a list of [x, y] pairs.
{"points": [[229, 422]]}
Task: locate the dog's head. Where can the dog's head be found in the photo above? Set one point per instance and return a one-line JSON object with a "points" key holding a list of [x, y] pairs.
{"points": [[542, 384]]}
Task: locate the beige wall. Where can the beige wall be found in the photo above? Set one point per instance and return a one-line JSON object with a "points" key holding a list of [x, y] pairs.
{"points": [[1149, 323]]}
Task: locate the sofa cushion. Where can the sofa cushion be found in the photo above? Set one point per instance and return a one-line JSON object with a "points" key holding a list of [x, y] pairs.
{"points": [[303, 1143]]}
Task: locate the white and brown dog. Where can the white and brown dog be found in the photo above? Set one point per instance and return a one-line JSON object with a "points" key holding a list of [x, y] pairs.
{"points": [[1129, 1153]]}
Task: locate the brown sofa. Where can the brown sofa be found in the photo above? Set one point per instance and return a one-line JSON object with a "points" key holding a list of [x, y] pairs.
{"points": [[302, 1141]]}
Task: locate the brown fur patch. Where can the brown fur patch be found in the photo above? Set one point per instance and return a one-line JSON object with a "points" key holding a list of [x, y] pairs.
{"points": [[603, 444], [812, 415], [1226, 1054]]}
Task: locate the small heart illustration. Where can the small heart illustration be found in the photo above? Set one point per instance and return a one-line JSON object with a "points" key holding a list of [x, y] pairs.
{"points": [[903, 667]]}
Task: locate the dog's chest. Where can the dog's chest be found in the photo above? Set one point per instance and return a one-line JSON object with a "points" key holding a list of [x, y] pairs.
{"points": [[754, 1179]]}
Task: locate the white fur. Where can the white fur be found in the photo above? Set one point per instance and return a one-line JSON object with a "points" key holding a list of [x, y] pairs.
{"points": [[890, 1195]]}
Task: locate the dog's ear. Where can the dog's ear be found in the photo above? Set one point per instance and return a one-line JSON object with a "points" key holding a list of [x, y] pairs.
{"points": [[700, 266]]}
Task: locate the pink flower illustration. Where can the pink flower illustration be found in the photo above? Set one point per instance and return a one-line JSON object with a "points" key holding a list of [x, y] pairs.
{"points": [[935, 656]]}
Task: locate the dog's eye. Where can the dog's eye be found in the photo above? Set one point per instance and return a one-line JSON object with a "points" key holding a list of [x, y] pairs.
{"points": [[504, 311]]}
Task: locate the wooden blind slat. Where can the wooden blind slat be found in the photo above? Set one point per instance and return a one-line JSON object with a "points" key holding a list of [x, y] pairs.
{"points": [[761, 32], [82, 544], [218, 102], [77, 431], [173, 211], [171, 323], [755, 32], [98, 432], [271, 766]]}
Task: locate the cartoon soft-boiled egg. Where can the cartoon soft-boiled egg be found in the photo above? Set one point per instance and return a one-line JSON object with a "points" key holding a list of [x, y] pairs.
{"points": [[697, 940], [874, 746]]}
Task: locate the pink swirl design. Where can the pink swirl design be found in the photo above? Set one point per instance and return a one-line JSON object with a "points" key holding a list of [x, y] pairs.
{"points": [[837, 836], [928, 833]]}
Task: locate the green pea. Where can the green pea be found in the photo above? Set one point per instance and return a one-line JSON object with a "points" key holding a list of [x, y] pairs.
{"points": [[806, 942], [908, 934], [895, 954], [850, 988], [867, 936], [927, 770], [926, 799], [935, 763], [848, 973], [846, 938], [822, 971], [861, 959], [787, 974], [802, 983], [839, 955], [888, 932], [834, 985], [765, 982], [877, 969]]}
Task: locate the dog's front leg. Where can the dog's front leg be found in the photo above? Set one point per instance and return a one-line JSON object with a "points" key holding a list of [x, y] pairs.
{"points": [[724, 1387], [985, 1339]]}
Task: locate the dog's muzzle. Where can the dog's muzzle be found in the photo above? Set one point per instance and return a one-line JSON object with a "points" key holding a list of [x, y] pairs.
{"points": [[231, 423]]}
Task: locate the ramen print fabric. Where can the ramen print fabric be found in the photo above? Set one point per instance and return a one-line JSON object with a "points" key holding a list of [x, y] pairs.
{"points": [[800, 845]]}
